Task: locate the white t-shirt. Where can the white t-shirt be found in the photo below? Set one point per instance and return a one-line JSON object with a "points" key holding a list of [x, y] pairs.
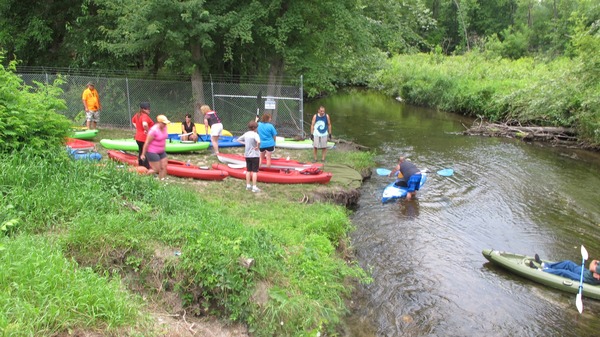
{"points": [[251, 140]]}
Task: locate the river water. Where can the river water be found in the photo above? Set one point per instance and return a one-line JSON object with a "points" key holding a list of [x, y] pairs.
{"points": [[429, 276]]}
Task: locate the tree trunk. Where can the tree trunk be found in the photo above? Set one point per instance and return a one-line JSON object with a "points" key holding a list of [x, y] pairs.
{"points": [[274, 85], [197, 82]]}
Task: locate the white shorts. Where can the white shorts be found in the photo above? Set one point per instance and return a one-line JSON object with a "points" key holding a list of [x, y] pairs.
{"points": [[216, 129]]}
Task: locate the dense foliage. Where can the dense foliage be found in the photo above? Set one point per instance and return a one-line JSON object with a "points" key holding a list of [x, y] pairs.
{"points": [[329, 42], [28, 116], [525, 90]]}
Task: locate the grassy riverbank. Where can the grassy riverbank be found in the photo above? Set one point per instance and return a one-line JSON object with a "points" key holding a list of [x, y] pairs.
{"points": [[563, 92], [95, 248]]}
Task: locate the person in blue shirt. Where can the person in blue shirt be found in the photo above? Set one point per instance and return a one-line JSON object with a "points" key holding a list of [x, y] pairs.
{"points": [[267, 133], [569, 269]]}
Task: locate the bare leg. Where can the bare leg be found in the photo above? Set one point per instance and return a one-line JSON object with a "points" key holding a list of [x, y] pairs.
{"points": [[87, 124], [215, 143], [254, 177], [268, 156], [248, 173], [163, 168], [155, 167], [262, 157], [315, 153], [94, 125], [323, 153]]}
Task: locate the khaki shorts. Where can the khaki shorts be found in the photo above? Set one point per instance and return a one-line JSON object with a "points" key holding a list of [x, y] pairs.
{"points": [[320, 142]]}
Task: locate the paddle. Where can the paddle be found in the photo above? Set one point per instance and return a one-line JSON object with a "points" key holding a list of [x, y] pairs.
{"points": [[578, 301], [258, 101], [446, 172], [383, 172]]}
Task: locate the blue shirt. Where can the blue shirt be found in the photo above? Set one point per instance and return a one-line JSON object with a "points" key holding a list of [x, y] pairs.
{"points": [[266, 131]]}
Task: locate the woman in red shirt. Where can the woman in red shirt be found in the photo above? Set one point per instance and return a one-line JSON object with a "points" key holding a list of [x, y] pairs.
{"points": [[142, 122]]}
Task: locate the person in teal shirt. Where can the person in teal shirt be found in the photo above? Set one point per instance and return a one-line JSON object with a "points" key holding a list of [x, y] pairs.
{"points": [[267, 133]]}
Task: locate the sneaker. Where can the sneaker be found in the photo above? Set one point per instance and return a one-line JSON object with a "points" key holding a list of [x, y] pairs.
{"points": [[248, 187], [537, 259], [255, 189], [531, 265]]}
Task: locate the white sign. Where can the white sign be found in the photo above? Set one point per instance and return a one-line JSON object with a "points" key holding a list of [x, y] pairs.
{"points": [[270, 104]]}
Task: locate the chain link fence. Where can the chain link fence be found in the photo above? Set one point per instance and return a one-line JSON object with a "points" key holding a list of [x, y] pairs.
{"points": [[236, 103]]}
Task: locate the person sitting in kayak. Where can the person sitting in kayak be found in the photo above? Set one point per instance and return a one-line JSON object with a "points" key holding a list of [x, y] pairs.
{"points": [[407, 175], [569, 269]]}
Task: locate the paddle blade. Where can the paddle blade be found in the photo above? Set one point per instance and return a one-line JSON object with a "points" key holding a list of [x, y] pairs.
{"points": [[383, 172], [579, 303], [446, 172], [584, 253]]}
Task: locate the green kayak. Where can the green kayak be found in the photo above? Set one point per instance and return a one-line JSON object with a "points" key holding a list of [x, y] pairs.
{"points": [[84, 134], [172, 146], [519, 264]]}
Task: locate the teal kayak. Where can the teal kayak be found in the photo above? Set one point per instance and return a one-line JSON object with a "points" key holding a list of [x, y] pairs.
{"points": [[519, 264], [171, 146], [84, 134]]}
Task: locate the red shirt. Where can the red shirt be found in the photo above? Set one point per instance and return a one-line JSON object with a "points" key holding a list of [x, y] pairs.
{"points": [[139, 119]]}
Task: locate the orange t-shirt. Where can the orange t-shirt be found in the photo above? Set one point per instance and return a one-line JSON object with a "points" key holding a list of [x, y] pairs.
{"points": [[91, 98]]}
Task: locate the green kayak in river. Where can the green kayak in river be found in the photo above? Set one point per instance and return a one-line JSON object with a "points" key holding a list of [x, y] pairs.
{"points": [[519, 264]]}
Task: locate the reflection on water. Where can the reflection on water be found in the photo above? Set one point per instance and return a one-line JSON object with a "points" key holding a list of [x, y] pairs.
{"points": [[430, 278]]}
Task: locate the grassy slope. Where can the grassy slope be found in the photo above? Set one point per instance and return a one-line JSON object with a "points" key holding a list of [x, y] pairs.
{"points": [[100, 228]]}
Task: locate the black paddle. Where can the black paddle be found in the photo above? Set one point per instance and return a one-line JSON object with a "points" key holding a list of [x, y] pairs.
{"points": [[258, 101]]}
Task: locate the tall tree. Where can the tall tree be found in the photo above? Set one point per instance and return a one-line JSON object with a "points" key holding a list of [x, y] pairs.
{"points": [[34, 31]]}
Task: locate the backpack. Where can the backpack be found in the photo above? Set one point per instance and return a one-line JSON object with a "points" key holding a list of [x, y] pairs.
{"points": [[311, 170]]}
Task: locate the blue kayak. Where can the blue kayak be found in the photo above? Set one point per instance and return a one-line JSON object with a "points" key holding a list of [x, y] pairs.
{"points": [[392, 192]]}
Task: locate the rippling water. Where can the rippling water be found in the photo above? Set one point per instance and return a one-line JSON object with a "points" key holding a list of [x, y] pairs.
{"points": [[430, 278]]}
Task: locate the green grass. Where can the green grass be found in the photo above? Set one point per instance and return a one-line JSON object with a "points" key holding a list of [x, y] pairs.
{"points": [[100, 228]]}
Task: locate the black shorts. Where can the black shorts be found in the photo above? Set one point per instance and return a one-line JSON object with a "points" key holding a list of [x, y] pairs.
{"points": [[269, 149], [252, 164]]}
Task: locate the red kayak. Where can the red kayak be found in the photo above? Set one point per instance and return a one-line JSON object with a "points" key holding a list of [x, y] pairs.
{"points": [[79, 144], [175, 168], [279, 176], [277, 163]]}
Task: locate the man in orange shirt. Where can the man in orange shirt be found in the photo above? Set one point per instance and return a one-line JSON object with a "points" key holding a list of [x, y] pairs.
{"points": [[91, 104]]}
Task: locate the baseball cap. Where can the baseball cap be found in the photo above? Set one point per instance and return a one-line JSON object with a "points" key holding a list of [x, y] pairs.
{"points": [[162, 119], [144, 105], [91, 83]]}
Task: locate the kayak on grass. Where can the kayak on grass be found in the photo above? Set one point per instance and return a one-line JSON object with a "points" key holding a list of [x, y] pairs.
{"points": [[278, 163], [171, 146], [291, 143], [200, 129], [277, 176], [519, 264], [84, 134], [175, 168]]}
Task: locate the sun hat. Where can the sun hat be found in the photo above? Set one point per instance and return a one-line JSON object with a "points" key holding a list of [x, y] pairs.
{"points": [[162, 119]]}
